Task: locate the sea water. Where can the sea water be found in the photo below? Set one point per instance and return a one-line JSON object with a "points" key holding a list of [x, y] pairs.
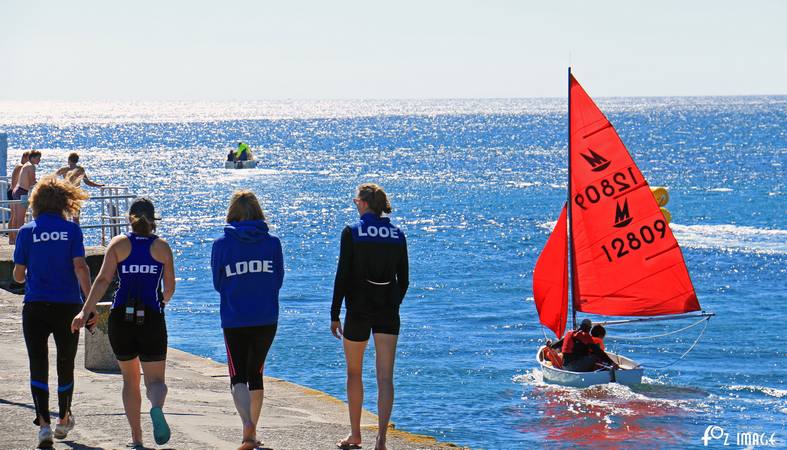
{"points": [[476, 185]]}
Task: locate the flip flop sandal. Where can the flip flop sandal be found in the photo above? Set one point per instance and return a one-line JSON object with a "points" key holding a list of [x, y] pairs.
{"points": [[161, 432], [348, 445]]}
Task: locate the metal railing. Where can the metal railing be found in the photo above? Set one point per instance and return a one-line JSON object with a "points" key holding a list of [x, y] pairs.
{"points": [[114, 201]]}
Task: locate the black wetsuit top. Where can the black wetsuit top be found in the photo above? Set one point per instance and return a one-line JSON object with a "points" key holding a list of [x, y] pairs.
{"points": [[373, 269]]}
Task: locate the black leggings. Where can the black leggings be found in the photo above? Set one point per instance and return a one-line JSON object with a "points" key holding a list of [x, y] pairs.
{"points": [[39, 320], [247, 348]]}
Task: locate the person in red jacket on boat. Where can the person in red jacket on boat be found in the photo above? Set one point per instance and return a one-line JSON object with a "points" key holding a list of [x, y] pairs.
{"points": [[581, 352]]}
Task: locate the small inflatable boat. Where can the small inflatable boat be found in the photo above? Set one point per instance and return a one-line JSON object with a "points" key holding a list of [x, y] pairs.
{"points": [[248, 164]]}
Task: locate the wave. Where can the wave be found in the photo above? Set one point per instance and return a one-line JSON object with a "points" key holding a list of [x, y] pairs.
{"points": [[734, 238], [771, 392]]}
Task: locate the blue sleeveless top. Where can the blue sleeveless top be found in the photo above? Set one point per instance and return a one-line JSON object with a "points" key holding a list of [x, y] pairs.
{"points": [[139, 275]]}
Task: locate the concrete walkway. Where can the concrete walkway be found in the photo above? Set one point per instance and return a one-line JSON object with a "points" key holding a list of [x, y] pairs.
{"points": [[199, 407]]}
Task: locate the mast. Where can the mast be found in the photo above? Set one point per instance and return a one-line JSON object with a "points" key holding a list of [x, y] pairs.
{"points": [[569, 234]]}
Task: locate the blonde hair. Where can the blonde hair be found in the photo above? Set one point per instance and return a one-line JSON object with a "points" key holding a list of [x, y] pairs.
{"points": [[375, 197], [244, 206], [54, 196]]}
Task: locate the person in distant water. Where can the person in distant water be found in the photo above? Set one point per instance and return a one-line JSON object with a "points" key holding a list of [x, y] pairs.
{"points": [[23, 185], [231, 156], [15, 208], [243, 153], [372, 276], [75, 173], [248, 271], [50, 259], [137, 329]]}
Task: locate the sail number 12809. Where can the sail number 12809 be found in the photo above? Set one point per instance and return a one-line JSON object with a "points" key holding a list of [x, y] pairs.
{"points": [[620, 182], [635, 241]]}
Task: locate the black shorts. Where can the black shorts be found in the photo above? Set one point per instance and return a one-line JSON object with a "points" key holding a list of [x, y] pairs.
{"points": [[247, 348], [129, 340], [358, 325]]}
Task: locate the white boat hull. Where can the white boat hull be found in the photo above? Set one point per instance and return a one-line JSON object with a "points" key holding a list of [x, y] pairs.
{"points": [[629, 373], [248, 164]]}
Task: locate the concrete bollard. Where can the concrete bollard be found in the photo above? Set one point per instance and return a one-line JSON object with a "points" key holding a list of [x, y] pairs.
{"points": [[98, 353]]}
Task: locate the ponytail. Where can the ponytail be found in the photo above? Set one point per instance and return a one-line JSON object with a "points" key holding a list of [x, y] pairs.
{"points": [[142, 225], [375, 197]]}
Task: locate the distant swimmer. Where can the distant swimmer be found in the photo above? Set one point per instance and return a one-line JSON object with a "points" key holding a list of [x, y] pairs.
{"points": [[248, 271], [50, 259], [372, 278], [14, 208], [137, 329], [22, 186], [75, 173]]}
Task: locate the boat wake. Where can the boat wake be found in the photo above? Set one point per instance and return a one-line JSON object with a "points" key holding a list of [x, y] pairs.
{"points": [[607, 415], [617, 399]]}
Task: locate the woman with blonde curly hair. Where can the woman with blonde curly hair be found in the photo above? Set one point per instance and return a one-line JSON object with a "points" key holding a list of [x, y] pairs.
{"points": [[50, 259]]}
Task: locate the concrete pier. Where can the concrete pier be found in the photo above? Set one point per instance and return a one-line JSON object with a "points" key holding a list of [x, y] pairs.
{"points": [[199, 407]]}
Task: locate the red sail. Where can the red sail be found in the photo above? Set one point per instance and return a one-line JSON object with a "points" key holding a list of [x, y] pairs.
{"points": [[628, 263], [550, 279]]}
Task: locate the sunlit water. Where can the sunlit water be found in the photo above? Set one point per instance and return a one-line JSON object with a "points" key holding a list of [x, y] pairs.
{"points": [[475, 184]]}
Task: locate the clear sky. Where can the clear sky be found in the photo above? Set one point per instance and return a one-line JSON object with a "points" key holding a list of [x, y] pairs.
{"points": [[257, 49]]}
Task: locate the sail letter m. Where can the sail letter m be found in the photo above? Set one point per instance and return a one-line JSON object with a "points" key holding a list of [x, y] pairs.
{"points": [[622, 217], [597, 162]]}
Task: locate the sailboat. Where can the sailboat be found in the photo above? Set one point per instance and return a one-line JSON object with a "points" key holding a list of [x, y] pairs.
{"points": [[611, 245]]}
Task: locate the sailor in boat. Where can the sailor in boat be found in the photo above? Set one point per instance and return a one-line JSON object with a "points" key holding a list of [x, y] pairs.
{"points": [[581, 353], [597, 333], [243, 153]]}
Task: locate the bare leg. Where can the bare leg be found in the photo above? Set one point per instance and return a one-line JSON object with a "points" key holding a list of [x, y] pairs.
{"points": [[132, 397], [155, 386], [385, 352], [353, 354], [16, 221]]}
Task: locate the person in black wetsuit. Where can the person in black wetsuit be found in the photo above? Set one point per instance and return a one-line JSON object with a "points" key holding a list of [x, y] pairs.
{"points": [[372, 277], [50, 259]]}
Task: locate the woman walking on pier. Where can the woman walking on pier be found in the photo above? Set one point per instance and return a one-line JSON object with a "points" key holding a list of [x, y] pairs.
{"points": [[248, 271], [50, 259], [373, 277], [137, 329]]}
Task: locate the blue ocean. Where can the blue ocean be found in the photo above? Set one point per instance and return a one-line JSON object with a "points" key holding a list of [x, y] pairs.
{"points": [[476, 185]]}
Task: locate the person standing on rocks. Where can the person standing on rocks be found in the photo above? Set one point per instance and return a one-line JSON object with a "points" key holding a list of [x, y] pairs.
{"points": [[372, 276], [248, 271], [50, 259], [137, 329]]}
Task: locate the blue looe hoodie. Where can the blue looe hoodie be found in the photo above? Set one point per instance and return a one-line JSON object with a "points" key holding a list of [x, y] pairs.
{"points": [[248, 270]]}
